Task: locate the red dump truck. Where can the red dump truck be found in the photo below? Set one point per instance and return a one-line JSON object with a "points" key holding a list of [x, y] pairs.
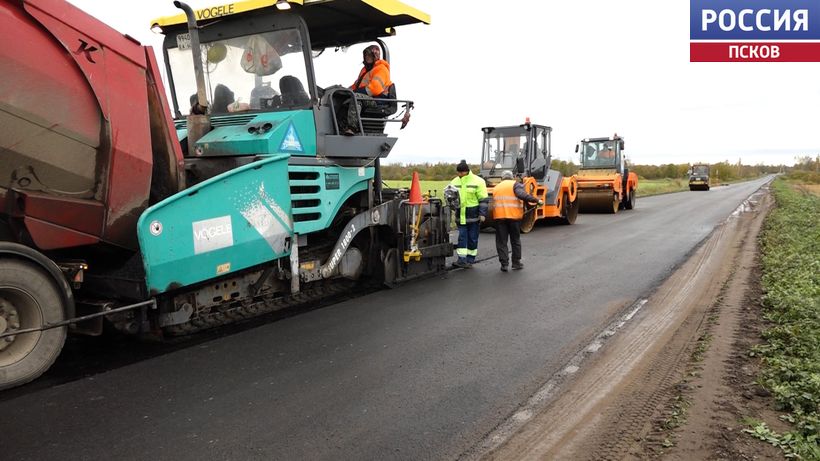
{"points": [[84, 150]]}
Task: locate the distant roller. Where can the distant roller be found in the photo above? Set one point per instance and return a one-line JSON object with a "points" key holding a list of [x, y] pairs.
{"points": [[699, 177]]}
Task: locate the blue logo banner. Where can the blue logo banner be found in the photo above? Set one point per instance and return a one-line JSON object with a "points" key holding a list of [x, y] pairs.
{"points": [[754, 20]]}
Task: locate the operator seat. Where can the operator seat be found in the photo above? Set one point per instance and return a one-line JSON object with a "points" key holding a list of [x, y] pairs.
{"points": [[293, 93], [223, 97], [376, 108]]}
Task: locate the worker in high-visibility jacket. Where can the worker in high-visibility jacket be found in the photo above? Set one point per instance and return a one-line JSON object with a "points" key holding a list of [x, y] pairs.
{"points": [[374, 78], [508, 211], [474, 199], [373, 82]]}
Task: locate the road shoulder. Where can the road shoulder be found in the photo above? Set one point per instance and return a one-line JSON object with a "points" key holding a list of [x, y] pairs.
{"points": [[622, 401]]}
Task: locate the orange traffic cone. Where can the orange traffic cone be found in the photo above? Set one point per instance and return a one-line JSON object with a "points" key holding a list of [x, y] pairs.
{"points": [[415, 191]]}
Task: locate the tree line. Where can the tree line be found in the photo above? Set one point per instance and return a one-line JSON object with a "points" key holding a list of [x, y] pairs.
{"points": [[806, 169], [725, 170]]}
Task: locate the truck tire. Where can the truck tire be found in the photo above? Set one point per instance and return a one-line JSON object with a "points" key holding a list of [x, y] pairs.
{"points": [[630, 200], [29, 298]]}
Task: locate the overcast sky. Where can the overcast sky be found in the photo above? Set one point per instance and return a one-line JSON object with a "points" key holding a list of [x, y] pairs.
{"points": [[587, 68]]}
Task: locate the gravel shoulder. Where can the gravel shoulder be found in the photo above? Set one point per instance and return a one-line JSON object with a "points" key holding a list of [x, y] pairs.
{"points": [[675, 382]]}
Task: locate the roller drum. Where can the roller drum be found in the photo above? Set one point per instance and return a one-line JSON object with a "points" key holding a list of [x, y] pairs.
{"points": [[594, 201]]}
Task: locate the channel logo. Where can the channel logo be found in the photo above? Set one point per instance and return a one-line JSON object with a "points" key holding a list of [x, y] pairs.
{"points": [[754, 30]]}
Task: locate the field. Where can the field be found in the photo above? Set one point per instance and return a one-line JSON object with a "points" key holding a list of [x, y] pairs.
{"points": [[646, 187], [437, 187], [661, 186]]}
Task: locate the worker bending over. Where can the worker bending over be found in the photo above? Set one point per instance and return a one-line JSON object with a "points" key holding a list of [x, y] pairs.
{"points": [[508, 211]]}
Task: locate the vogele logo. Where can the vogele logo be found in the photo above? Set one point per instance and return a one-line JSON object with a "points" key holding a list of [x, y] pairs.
{"points": [[754, 30]]}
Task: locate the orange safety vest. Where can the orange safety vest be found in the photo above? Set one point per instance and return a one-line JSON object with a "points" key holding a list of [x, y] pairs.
{"points": [[376, 80], [505, 204]]}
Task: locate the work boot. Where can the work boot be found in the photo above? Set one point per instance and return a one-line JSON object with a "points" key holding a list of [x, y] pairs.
{"points": [[504, 268], [462, 264], [518, 266]]}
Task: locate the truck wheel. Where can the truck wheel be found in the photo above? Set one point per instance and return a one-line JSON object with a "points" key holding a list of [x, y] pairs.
{"points": [[630, 201], [28, 299]]}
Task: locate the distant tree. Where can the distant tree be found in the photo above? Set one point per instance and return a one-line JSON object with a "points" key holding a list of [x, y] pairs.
{"points": [[725, 170], [807, 163]]}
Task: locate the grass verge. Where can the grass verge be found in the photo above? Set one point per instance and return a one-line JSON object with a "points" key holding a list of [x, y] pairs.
{"points": [[435, 187], [646, 187], [790, 247], [661, 186]]}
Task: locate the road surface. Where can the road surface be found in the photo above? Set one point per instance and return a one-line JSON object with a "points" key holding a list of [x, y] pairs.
{"points": [[424, 371]]}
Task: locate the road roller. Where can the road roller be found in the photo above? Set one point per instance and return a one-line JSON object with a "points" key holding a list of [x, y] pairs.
{"points": [[605, 184], [525, 150], [699, 177]]}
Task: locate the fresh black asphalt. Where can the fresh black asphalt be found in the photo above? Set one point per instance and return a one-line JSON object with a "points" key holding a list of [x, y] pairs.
{"points": [[423, 371]]}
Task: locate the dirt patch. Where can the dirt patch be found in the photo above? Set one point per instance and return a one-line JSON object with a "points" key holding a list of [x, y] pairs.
{"points": [[644, 396], [719, 385]]}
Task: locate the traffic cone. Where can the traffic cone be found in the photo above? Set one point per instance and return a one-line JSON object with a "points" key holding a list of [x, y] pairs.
{"points": [[415, 191]]}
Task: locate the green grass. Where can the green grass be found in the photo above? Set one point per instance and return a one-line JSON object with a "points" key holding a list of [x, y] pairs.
{"points": [[791, 352], [664, 186], [436, 186], [661, 186], [645, 186]]}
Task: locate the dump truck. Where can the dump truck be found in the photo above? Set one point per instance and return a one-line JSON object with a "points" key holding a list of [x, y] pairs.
{"points": [[121, 210], [526, 151], [699, 177], [605, 184]]}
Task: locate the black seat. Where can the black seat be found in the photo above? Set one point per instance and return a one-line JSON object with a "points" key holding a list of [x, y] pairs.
{"points": [[293, 93], [375, 108], [383, 109], [223, 96]]}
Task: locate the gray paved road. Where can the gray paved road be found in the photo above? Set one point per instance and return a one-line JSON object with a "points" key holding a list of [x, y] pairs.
{"points": [[419, 372]]}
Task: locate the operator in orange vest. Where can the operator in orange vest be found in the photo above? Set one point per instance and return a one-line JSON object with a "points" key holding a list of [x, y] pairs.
{"points": [[374, 78], [373, 82], [608, 152], [508, 210]]}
